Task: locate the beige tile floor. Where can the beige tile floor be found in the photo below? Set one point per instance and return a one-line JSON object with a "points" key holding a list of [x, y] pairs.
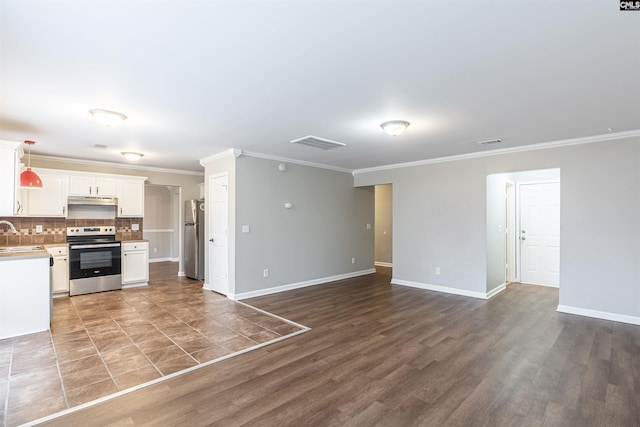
{"points": [[103, 343]]}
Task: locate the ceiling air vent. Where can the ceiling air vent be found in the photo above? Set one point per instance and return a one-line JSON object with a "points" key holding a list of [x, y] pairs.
{"points": [[490, 142], [314, 141]]}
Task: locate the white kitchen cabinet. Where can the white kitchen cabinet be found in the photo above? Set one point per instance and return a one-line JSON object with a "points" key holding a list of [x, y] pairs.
{"points": [[60, 269], [131, 197], [10, 154], [135, 264], [96, 186], [51, 199]]}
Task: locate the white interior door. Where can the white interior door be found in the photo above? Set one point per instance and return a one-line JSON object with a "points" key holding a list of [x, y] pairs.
{"points": [[219, 233], [540, 233]]}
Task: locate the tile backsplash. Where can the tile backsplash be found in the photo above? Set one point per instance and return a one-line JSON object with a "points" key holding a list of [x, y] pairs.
{"points": [[54, 230]]}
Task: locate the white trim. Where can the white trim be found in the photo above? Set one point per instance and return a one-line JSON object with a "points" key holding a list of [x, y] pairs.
{"points": [[297, 162], [495, 291], [205, 286], [291, 286], [444, 289], [135, 285], [529, 147], [162, 259], [181, 274], [159, 230], [221, 155], [115, 165], [605, 315], [383, 264]]}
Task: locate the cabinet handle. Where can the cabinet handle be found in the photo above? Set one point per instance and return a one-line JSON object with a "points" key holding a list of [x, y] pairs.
{"points": [[64, 208], [97, 190], [120, 211], [89, 190]]}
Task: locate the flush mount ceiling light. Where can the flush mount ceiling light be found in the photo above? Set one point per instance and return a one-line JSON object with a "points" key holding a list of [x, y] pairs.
{"points": [[131, 156], [107, 117], [395, 127], [28, 178]]}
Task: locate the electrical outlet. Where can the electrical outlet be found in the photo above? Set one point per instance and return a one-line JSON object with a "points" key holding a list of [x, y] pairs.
{"points": [[135, 227], [353, 260], [265, 272], [246, 228], [155, 250], [368, 226], [437, 271], [38, 229]]}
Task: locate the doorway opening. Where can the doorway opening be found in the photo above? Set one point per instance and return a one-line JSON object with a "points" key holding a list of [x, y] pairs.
{"points": [[162, 223], [383, 225], [523, 229]]}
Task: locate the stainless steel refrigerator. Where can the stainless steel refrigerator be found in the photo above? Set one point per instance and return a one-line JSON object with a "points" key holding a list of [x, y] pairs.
{"points": [[194, 239]]}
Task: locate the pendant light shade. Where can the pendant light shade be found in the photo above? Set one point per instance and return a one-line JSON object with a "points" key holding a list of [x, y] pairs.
{"points": [[28, 178]]}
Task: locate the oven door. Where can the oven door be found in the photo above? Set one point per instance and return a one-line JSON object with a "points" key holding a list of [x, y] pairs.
{"points": [[94, 260]]}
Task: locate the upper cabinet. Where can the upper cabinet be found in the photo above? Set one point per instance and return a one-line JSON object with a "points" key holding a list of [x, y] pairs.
{"points": [[131, 197], [51, 200], [10, 154], [58, 185], [84, 185]]}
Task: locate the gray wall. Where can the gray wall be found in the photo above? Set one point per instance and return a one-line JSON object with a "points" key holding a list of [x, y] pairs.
{"points": [[440, 219], [316, 238], [384, 224], [160, 222]]}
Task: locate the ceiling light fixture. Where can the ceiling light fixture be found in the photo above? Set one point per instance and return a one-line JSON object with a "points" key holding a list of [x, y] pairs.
{"points": [[395, 127], [131, 156], [107, 117], [28, 178]]}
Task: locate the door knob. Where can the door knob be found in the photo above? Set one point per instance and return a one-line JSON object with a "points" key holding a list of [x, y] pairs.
{"points": [[211, 240], [523, 238]]}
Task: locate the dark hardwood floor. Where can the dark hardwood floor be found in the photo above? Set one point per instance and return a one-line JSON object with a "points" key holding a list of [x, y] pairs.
{"points": [[395, 356]]}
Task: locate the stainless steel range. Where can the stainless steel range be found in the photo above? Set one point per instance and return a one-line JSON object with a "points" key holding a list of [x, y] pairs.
{"points": [[94, 260]]}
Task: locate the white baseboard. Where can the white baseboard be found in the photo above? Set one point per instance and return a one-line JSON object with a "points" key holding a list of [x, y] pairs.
{"points": [[168, 259], [135, 285], [180, 273], [495, 291], [445, 289], [161, 259], [383, 264], [205, 285], [291, 286], [623, 318]]}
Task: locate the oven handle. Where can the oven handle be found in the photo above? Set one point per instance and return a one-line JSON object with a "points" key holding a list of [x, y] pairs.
{"points": [[97, 245]]}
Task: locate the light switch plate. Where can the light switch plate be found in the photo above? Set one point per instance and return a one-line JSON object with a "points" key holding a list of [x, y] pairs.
{"points": [[246, 228]]}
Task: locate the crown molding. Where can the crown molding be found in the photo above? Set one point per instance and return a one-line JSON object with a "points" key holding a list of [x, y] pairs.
{"points": [[297, 162], [235, 152], [499, 151], [114, 165]]}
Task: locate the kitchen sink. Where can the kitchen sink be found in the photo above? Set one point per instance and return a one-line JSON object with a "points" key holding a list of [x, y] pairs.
{"points": [[15, 249]]}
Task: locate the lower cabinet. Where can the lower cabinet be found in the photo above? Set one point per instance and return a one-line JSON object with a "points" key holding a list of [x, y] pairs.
{"points": [[60, 269], [135, 264]]}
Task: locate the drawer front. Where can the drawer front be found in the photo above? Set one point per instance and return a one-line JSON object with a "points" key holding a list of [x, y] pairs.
{"points": [[58, 250], [137, 246]]}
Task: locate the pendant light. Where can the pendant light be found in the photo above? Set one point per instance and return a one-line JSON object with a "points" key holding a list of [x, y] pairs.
{"points": [[29, 178]]}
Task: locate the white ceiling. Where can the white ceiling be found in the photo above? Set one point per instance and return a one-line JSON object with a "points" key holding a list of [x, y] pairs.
{"points": [[198, 77]]}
